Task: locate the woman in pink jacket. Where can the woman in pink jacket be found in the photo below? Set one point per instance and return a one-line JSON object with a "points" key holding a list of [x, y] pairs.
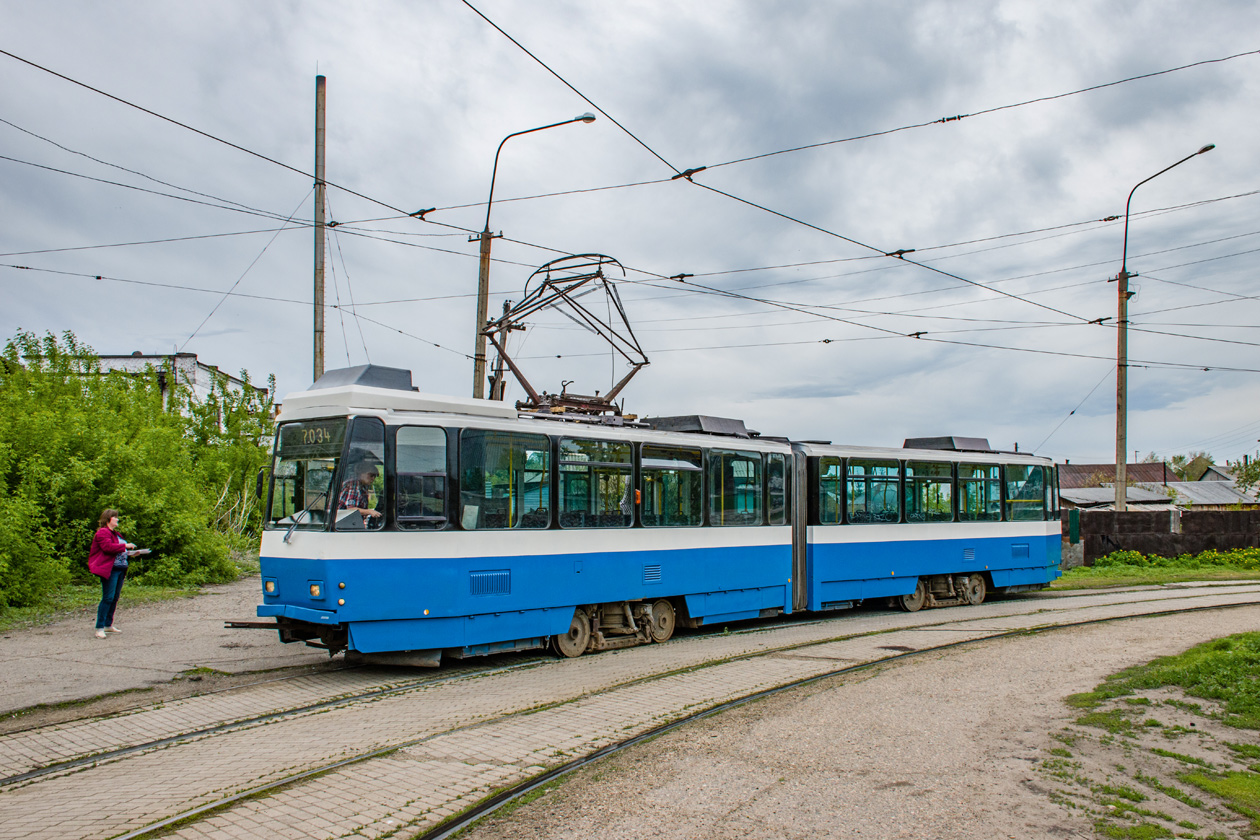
{"points": [[108, 560]]}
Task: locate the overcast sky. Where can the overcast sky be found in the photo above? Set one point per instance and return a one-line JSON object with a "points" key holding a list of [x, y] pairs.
{"points": [[1004, 208]]}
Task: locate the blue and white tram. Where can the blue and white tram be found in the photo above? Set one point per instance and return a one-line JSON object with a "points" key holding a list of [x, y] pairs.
{"points": [[416, 527]]}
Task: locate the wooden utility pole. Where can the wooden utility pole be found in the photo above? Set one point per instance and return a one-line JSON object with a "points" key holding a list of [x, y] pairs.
{"points": [[319, 228]]}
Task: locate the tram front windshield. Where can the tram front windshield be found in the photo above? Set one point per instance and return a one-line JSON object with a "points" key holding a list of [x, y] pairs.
{"points": [[303, 468]]}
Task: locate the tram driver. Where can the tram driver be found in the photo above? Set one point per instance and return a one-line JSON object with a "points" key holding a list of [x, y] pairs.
{"points": [[357, 495]]}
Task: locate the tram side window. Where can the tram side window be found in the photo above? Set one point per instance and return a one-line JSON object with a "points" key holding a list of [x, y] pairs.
{"points": [[776, 489], [420, 467], [672, 488], [306, 456], [1025, 492], [873, 488], [504, 480], [830, 491], [929, 492], [596, 486], [979, 493], [361, 493], [735, 488]]}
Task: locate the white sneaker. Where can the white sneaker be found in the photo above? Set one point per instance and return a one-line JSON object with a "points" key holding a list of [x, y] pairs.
{"points": [[100, 634], [112, 629]]}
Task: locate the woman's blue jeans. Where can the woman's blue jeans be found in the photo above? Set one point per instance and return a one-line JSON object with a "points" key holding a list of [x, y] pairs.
{"points": [[111, 588]]}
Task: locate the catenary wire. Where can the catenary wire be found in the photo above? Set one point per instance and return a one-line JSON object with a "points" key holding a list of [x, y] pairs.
{"points": [[1105, 377], [993, 110], [248, 268]]}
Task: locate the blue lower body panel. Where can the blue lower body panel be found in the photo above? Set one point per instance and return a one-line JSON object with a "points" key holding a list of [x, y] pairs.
{"points": [[399, 604], [854, 571]]}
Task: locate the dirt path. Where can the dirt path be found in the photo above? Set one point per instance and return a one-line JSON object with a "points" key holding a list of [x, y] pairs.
{"points": [[946, 745]]}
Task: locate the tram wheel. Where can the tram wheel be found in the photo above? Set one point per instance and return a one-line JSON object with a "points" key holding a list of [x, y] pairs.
{"points": [[574, 642], [975, 590], [916, 599], [663, 621]]}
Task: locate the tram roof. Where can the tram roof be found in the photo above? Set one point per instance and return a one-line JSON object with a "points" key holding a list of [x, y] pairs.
{"points": [[348, 399]]}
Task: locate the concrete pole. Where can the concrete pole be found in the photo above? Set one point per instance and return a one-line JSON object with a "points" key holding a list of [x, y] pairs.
{"points": [[483, 312], [1122, 338], [319, 229], [1122, 384]]}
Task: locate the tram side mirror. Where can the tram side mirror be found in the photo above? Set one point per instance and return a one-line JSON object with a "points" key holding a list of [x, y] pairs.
{"points": [[259, 482]]}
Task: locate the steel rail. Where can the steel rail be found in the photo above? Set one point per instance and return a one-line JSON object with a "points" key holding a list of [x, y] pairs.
{"points": [[248, 722], [487, 806], [93, 758]]}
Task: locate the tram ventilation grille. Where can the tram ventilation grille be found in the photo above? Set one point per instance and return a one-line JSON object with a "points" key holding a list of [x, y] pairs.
{"points": [[497, 582], [969, 554], [652, 574], [1019, 551]]}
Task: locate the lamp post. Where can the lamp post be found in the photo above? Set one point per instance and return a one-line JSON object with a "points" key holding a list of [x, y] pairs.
{"points": [[483, 272], [1122, 339]]}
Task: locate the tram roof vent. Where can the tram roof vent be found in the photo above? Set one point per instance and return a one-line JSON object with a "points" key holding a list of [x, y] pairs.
{"points": [[373, 376], [952, 444], [702, 424]]}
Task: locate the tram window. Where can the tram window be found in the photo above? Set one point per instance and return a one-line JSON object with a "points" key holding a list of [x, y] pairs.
{"points": [[361, 491], [830, 491], [420, 484], [979, 493], [1025, 492], [776, 489], [735, 488], [596, 486], [306, 457], [872, 491], [672, 488], [929, 492], [504, 480]]}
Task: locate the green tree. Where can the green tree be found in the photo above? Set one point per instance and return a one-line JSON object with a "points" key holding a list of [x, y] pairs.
{"points": [[75, 439]]}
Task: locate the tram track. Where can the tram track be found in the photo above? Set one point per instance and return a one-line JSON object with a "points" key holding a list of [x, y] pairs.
{"points": [[1032, 621], [464, 671]]}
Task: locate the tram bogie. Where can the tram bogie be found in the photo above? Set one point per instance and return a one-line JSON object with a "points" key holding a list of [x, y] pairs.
{"points": [[445, 528]]}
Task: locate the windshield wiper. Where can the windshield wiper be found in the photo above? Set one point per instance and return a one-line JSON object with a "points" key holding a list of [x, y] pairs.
{"points": [[297, 518]]}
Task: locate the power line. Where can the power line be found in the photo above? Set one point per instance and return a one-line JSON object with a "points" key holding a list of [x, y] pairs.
{"points": [[243, 273], [564, 82], [237, 209], [960, 117], [125, 169], [1106, 376], [228, 293], [150, 241]]}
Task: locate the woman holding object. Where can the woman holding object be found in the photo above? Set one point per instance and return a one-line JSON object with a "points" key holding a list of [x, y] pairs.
{"points": [[108, 561]]}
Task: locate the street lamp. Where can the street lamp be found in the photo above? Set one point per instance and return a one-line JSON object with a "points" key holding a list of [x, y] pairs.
{"points": [[483, 273], [1122, 338]]}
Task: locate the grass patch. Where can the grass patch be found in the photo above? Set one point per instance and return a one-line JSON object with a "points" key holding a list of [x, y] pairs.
{"points": [[1187, 759], [1169, 791], [1222, 670], [1113, 721], [81, 599], [1132, 568], [1244, 750], [1141, 831], [1239, 790]]}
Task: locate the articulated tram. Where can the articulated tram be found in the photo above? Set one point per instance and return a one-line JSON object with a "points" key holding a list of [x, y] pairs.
{"points": [[412, 527]]}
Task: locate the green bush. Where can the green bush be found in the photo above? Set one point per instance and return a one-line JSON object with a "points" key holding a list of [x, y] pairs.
{"points": [[75, 440], [1245, 559]]}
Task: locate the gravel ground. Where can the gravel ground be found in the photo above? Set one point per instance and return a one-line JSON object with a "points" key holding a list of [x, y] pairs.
{"points": [[945, 745]]}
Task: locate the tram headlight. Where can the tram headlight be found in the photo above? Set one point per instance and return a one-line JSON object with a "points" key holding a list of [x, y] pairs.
{"points": [[269, 587], [315, 590]]}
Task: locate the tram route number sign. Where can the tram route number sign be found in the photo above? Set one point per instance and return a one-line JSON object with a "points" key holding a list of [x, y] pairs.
{"points": [[312, 439]]}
